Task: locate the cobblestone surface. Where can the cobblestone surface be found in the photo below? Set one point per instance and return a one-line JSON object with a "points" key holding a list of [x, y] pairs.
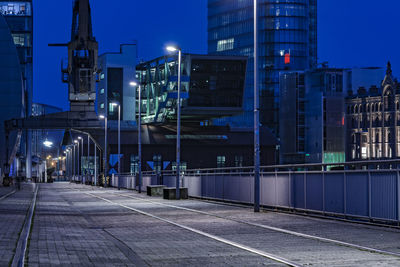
{"points": [[13, 210], [72, 227]]}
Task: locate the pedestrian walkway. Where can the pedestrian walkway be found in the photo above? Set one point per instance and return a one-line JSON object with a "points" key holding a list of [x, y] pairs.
{"points": [[82, 225], [13, 211]]}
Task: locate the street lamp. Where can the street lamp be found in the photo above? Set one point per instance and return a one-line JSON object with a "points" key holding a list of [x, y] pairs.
{"points": [[134, 84], [103, 117], [80, 172], [77, 160], [178, 119], [119, 142]]}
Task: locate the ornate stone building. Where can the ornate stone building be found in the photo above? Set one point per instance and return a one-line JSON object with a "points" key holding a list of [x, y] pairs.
{"points": [[373, 121]]}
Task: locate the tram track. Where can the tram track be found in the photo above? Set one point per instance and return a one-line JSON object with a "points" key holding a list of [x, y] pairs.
{"points": [[285, 260], [272, 228]]}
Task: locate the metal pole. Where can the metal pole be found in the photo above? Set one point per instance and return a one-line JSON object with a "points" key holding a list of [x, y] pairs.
{"points": [[58, 164], [95, 164], [140, 139], [79, 174], [105, 152], [119, 146], [178, 127], [74, 159], [88, 155], [80, 159], [256, 118]]}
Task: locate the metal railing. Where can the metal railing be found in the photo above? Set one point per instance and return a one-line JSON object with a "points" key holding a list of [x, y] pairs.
{"points": [[364, 190]]}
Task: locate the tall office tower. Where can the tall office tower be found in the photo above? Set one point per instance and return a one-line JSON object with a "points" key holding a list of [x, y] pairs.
{"points": [[19, 17], [287, 41]]}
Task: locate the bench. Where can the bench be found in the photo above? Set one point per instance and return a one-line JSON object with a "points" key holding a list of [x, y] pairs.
{"points": [[170, 193], [155, 190]]}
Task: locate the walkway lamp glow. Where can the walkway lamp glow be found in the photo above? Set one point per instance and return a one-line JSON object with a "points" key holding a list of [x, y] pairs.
{"points": [[135, 84], [48, 143], [119, 142], [178, 119]]}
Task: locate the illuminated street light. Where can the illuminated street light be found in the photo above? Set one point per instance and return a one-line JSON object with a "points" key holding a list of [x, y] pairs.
{"points": [[178, 119], [48, 143], [134, 84]]}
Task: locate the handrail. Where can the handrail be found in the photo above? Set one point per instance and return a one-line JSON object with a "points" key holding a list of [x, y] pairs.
{"points": [[288, 167]]}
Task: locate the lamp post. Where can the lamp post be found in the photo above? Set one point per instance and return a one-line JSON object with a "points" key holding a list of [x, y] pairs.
{"points": [[178, 119], [119, 142], [80, 171], [104, 117], [134, 84], [77, 160], [256, 117]]}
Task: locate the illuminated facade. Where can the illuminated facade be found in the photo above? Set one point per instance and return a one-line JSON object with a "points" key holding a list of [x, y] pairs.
{"points": [[212, 87], [117, 71], [373, 121], [312, 113], [287, 41]]}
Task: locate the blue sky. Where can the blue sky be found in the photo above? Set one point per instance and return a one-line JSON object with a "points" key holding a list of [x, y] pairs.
{"points": [[350, 33]]}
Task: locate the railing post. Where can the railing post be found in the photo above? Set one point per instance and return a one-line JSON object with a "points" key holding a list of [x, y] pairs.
{"points": [[398, 196], [290, 190], [345, 193], [369, 195], [305, 190], [275, 193], [323, 189]]}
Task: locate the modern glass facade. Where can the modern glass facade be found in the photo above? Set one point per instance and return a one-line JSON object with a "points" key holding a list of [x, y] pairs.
{"points": [[19, 17], [287, 41], [212, 86]]}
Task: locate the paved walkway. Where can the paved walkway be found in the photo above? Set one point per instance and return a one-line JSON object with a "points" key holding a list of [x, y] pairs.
{"points": [[88, 226], [13, 210]]}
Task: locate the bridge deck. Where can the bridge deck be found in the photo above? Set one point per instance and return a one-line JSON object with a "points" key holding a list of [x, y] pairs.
{"points": [[83, 225]]}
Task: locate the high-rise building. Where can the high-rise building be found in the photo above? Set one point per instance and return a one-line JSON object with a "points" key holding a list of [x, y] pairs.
{"points": [[312, 113], [117, 71], [287, 41], [11, 88], [19, 17]]}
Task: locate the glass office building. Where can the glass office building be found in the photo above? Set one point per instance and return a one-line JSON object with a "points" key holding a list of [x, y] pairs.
{"points": [[287, 41], [18, 15]]}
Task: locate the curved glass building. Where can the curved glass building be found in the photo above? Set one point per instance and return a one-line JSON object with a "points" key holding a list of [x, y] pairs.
{"points": [[11, 85], [287, 41]]}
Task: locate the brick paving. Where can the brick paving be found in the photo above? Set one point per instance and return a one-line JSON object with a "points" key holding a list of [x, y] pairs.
{"points": [[13, 210], [74, 228]]}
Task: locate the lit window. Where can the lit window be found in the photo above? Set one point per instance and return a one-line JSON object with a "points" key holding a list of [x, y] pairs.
{"points": [[15, 9], [227, 44], [102, 76], [220, 161], [102, 105], [102, 91]]}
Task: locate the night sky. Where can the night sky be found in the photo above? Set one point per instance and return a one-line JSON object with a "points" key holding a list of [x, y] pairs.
{"points": [[351, 33]]}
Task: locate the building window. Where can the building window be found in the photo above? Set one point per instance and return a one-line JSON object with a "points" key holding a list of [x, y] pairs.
{"points": [[157, 160], [134, 164], [22, 39], [238, 161], [15, 9], [220, 161], [102, 91], [183, 166], [224, 45], [102, 76], [102, 105]]}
